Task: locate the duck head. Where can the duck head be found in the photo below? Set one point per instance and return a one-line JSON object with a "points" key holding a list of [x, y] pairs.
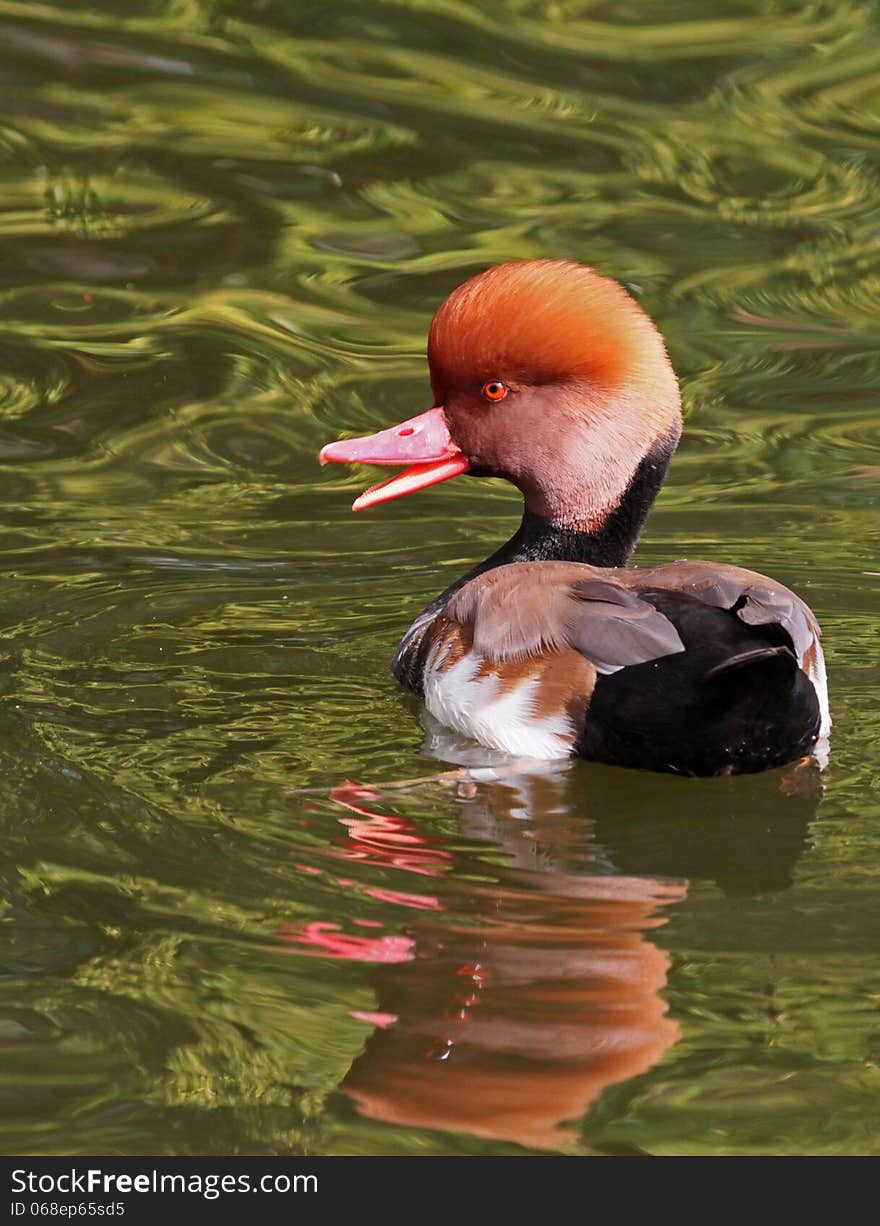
{"points": [[544, 373]]}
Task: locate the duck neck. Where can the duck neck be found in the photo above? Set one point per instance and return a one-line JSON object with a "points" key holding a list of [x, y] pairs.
{"points": [[611, 544], [540, 540]]}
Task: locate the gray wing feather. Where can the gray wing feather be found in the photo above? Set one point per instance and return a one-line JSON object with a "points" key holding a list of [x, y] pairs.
{"points": [[614, 628]]}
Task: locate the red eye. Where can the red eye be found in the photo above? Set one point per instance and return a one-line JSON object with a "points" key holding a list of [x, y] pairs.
{"points": [[494, 390]]}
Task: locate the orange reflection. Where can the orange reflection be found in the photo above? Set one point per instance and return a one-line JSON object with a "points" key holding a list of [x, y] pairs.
{"points": [[526, 999]]}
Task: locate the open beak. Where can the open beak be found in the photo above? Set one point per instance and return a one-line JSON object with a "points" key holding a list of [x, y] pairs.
{"points": [[423, 444]]}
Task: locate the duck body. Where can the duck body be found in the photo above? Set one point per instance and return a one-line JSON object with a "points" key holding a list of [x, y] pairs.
{"points": [[680, 668], [551, 376]]}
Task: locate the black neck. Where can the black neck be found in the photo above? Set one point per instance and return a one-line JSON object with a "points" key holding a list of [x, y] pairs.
{"points": [[540, 540]]}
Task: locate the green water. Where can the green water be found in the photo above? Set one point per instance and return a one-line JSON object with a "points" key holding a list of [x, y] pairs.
{"points": [[224, 229]]}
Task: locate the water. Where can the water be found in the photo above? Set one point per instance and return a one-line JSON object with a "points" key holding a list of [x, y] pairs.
{"points": [[224, 228]]}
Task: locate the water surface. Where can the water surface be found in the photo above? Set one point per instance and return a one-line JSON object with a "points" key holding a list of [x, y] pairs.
{"points": [[224, 227]]}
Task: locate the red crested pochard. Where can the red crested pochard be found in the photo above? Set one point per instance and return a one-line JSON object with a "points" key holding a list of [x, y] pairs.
{"points": [[548, 374]]}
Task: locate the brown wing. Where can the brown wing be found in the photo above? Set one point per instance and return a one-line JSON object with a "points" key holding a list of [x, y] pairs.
{"points": [[531, 608]]}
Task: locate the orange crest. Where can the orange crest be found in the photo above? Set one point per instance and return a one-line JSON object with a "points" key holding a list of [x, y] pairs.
{"points": [[540, 321]]}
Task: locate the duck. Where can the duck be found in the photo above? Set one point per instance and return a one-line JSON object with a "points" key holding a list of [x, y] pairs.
{"points": [[550, 375]]}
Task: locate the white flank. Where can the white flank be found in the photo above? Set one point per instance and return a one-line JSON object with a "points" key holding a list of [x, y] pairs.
{"points": [[471, 705], [819, 678]]}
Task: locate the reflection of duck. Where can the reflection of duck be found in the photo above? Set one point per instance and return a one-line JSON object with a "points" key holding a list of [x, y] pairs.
{"points": [[551, 376], [752, 829], [745, 834], [518, 1002], [511, 1018]]}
